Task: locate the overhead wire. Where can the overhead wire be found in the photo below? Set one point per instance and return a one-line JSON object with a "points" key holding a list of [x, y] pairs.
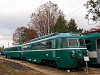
{"points": [[33, 11], [47, 0], [74, 11]]}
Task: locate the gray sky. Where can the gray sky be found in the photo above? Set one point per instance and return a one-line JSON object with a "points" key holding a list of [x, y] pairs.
{"points": [[16, 13]]}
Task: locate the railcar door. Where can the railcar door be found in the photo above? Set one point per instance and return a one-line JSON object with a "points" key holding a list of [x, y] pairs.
{"points": [[58, 47], [58, 54], [98, 50]]}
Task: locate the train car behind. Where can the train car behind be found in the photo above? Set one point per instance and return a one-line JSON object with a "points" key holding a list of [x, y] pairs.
{"points": [[13, 52], [93, 45]]}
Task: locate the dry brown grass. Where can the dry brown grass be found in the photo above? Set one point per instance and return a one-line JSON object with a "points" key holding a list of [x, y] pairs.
{"points": [[13, 69]]}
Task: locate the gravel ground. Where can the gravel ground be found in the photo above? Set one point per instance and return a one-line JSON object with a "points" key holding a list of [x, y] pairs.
{"points": [[11, 68], [18, 67]]}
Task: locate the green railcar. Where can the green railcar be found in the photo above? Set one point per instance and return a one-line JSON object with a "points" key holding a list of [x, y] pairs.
{"points": [[13, 52], [64, 50], [93, 45]]}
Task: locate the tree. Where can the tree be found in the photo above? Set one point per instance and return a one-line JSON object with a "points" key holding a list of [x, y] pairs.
{"points": [[28, 34], [80, 30], [93, 7], [45, 18], [23, 34], [72, 27], [2, 48], [17, 35], [61, 25]]}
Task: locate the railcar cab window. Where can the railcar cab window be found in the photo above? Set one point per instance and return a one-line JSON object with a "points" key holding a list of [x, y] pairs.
{"points": [[64, 43], [82, 42], [72, 42]]}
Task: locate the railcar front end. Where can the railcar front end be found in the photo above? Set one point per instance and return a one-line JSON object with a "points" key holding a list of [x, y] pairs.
{"points": [[72, 56]]}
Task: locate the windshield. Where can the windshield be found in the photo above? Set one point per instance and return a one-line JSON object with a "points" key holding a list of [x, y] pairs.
{"points": [[72, 42], [82, 42]]}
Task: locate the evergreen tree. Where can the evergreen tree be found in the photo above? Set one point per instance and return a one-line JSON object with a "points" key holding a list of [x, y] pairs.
{"points": [[60, 25], [72, 27], [80, 30]]}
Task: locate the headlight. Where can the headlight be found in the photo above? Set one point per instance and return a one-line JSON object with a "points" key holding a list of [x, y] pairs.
{"points": [[80, 54], [73, 54], [87, 53]]}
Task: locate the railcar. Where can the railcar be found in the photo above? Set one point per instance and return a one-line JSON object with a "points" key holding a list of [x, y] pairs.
{"points": [[63, 50], [13, 52], [93, 45], [3, 51]]}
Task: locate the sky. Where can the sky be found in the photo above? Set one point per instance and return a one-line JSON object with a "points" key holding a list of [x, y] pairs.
{"points": [[16, 13]]}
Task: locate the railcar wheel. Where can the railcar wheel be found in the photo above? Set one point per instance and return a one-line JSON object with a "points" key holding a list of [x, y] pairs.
{"points": [[43, 62], [24, 58], [6, 56]]}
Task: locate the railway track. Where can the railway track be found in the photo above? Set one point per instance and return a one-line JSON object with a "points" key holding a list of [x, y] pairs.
{"points": [[45, 69]]}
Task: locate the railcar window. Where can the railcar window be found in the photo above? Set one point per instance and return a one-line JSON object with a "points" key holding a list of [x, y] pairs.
{"points": [[13, 49], [6, 49], [88, 44], [58, 43], [32, 46], [82, 42], [19, 48], [53, 44], [35, 46], [49, 44], [64, 43], [25, 47], [43, 45], [98, 43], [38, 46], [72, 42]]}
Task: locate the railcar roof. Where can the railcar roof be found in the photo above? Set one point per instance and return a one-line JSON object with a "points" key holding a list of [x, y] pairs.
{"points": [[60, 35], [69, 35], [92, 35]]}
